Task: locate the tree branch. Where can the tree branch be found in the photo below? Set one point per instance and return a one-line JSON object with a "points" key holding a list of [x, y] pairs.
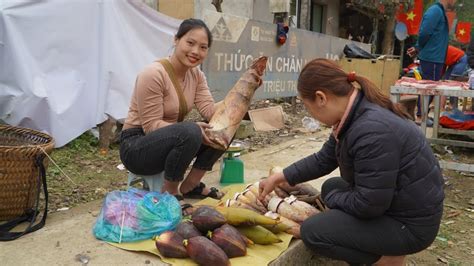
{"points": [[369, 13]]}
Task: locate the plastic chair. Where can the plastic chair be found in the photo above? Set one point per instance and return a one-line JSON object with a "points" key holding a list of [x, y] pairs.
{"points": [[150, 182]]}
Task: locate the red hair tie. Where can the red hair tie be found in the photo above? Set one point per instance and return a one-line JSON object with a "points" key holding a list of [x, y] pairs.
{"points": [[351, 77]]}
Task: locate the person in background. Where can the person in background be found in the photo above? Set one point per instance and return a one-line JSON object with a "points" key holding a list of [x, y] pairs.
{"points": [[388, 201], [456, 62], [455, 65], [470, 61], [470, 52], [154, 137], [432, 44]]}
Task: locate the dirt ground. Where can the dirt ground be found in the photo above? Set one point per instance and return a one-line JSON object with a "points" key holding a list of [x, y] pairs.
{"points": [[90, 175]]}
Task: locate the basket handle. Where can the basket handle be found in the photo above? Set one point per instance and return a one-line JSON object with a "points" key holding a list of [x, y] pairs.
{"points": [[5, 234]]}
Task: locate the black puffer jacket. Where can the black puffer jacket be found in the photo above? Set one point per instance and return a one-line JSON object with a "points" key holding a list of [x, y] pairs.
{"points": [[388, 162]]}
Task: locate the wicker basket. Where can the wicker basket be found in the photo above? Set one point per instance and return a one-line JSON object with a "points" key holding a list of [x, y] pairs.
{"points": [[19, 148]]}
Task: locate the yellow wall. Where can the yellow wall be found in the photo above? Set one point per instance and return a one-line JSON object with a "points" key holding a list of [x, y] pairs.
{"points": [[384, 73], [180, 9]]}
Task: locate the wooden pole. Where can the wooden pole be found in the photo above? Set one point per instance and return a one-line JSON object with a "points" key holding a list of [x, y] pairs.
{"points": [[105, 134]]}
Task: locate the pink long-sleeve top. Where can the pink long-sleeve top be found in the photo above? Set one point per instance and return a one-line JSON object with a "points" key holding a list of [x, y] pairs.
{"points": [[155, 103]]}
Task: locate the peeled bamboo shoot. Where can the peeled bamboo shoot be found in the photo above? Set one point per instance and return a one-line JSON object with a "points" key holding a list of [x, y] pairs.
{"points": [[228, 115]]}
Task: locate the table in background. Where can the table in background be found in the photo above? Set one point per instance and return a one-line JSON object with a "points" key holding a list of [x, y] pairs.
{"points": [[396, 92]]}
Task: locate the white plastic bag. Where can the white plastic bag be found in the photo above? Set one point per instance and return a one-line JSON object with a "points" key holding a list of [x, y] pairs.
{"points": [[471, 80], [310, 123]]}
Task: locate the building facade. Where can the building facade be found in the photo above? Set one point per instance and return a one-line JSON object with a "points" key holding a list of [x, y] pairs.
{"points": [[313, 15]]}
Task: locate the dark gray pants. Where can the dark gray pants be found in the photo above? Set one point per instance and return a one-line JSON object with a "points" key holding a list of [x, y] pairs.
{"points": [[170, 149], [338, 235]]}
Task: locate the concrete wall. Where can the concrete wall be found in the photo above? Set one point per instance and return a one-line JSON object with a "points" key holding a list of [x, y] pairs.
{"points": [[180, 9], [331, 19], [152, 3], [330, 15], [183, 9], [253, 9], [305, 15], [241, 8], [261, 11]]}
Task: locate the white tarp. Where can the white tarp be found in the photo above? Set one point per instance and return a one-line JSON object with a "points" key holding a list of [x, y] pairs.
{"points": [[66, 64]]}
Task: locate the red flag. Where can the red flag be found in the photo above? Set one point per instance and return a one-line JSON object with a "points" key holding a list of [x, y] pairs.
{"points": [[411, 18], [463, 32]]}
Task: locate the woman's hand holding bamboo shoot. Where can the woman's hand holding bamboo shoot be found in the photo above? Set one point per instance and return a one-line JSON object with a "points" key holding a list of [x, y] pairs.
{"points": [[267, 185], [205, 138]]}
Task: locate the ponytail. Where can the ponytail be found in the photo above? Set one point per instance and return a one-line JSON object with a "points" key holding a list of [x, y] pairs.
{"points": [[374, 95], [326, 75]]}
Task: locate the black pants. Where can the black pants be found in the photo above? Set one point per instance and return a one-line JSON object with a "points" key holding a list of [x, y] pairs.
{"points": [[170, 149], [338, 235]]}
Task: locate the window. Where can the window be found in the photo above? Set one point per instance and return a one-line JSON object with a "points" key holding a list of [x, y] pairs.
{"points": [[294, 8], [316, 17]]}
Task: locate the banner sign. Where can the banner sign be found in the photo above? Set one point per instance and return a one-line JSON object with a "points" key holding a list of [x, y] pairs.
{"points": [[237, 41]]}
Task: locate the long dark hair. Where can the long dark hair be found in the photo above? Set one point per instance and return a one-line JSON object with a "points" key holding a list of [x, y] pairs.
{"points": [[325, 75], [191, 24]]}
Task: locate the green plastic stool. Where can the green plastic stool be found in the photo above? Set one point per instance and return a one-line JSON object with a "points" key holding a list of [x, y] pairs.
{"points": [[232, 167]]}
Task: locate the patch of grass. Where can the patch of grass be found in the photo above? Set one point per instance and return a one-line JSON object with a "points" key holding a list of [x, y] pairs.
{"points": [[85, 142], [93, 174]]}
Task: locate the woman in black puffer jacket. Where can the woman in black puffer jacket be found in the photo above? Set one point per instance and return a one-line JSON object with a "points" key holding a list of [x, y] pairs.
{"points": [[388, 201]]}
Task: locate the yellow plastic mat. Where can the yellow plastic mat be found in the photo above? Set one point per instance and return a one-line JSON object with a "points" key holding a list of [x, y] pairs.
{"points": [[256, 254]]}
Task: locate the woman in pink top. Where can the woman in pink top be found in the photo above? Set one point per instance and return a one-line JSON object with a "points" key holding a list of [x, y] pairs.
{"points": [[154, 139]]}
